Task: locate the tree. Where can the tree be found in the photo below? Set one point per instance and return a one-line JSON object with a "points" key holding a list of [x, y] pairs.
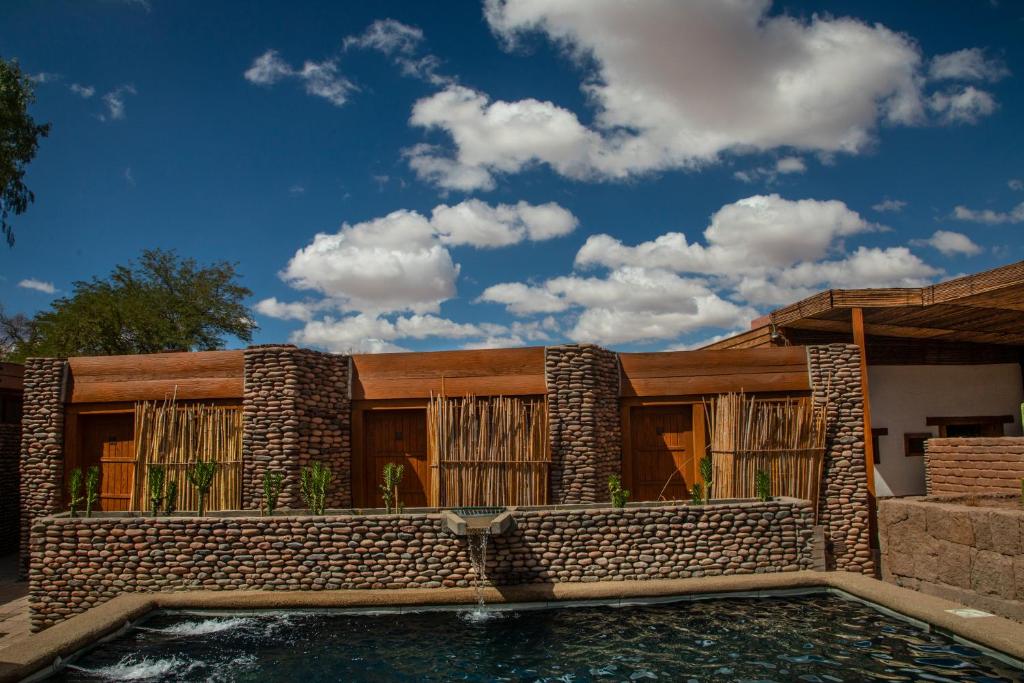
{"points": [[161, 303], [15, 330], [19, 140]]}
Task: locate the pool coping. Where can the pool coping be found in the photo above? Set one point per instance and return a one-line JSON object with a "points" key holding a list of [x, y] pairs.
{"points": [[37, 653]]}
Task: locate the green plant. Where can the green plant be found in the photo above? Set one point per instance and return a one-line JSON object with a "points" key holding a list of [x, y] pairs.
{"points": [[619, 495], [763, 485], [389, 489], [157, 474], [74, 491], [200, 475], [314, 482], [706, 474], [92, 489], [272, 482], [697, 493], [171, 498]]}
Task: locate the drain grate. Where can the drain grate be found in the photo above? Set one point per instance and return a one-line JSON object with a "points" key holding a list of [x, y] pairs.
{"points": [[477, 511]]}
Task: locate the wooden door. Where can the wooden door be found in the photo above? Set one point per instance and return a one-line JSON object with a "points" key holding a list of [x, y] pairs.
{"points": [[398, 436], [662, 451], [108, 441]]}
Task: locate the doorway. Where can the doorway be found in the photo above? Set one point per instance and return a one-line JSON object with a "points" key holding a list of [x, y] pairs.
{"points": [[662, 462], [400, 437], [109, 442]]}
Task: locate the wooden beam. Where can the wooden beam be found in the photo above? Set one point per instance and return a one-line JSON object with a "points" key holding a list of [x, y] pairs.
{"points": [[857, 320]]}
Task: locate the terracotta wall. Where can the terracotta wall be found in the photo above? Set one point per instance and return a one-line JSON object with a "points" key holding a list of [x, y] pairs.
{"points": [[976, 465]]}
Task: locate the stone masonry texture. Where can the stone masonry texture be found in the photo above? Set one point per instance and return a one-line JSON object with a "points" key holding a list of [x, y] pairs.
{"points": [[42, 446], [971, 554], [584, 423], [80, 563], [843, 501], [976, 465], [10, 450], [296, 410]]}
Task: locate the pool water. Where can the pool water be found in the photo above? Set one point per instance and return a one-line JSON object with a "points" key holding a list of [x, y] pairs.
{"points": [[809, 638]]}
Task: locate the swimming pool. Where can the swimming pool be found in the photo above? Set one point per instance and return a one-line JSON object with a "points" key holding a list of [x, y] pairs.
{"points": [[809, 638]]}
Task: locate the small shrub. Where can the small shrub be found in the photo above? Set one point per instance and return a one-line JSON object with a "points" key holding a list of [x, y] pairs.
{"points": [[157, 474], [171, 498], [697, 493], [92, 489], [314, 482], [706, 473], [272, 483], [763, 485], [389, 489], [74, 491], [620, 496], [200, 475]]}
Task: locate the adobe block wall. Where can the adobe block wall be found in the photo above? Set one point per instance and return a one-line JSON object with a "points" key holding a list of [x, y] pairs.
{"points": [[970, 554], [296, 410], [583, 419], [10, 457], [843, 499], [80, 563], [975, 465], [42, 446]]}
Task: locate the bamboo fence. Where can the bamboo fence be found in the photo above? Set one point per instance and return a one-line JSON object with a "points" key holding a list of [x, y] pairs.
{"points": [[784, 437], [489, 451], [174, 436]]}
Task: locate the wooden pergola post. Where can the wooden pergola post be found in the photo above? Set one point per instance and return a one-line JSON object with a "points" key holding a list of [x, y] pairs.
{"points": [[869, 446]]}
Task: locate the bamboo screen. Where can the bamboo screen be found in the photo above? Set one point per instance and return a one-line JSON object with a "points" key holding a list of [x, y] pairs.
{"points": [[490, 451], [784, 437], [174, 436]]}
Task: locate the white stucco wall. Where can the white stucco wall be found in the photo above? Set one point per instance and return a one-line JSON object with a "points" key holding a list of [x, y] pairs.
{"points": [[903, 396]]}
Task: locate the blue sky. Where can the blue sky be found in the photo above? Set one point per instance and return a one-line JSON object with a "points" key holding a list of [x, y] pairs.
{"points": [[415, 175]]}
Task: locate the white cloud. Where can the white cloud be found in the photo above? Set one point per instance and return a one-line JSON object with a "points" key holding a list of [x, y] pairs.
{"points": [[950, 243], [129, 177], [295, 310], [894, 205], [38, 285], [83, 91], [523, 299], [478, 224], [1014, 215], [671, 89], [115, 102], [969, 64], [44, 77], [401, 42], [363, 333], [790, 165], [1015, 184], [296, 190], [962, 105], [318, 78], [770, 174]]}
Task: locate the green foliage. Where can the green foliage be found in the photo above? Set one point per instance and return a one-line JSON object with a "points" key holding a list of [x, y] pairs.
{"points": [[19, 141], [697, 493], [620, 496], [157, 474], [763, 485], [314, 482], [171, 498], [389, 489], [706, 473], [161, 303], [272, 483], [200, 475], [92, 489], [75, 491]]}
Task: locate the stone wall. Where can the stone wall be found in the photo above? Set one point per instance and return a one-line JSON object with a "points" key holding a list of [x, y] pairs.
{"points": [[977, 465], [10, 450], [583, 416], [970, 554], [843, 501], [296, 410], [80, 563], [42, 446]]}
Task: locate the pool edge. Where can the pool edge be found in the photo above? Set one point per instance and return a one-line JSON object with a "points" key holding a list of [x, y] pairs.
{"points": [[37, 653]]}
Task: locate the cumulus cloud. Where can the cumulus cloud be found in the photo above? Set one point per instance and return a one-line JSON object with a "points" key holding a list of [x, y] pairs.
{"points": [[115, 102], [670, 89], [893, 205], [950, 243], [320, 79], [988, 216], [759, 251], [38, 285], [83, 91], [970, 64], [478, 224]]}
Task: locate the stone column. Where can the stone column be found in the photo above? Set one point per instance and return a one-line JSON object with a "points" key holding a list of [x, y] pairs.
{"points": [[296, 410], [583, 419], [42, 446], [843, 505]]}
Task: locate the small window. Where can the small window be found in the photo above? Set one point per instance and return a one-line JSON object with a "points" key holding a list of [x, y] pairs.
{"points": [[975, 425], [913, 444], [876, 451]]}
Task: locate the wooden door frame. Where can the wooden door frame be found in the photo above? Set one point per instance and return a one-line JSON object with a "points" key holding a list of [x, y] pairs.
{"points": [[698, 425], [359, 409]]}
